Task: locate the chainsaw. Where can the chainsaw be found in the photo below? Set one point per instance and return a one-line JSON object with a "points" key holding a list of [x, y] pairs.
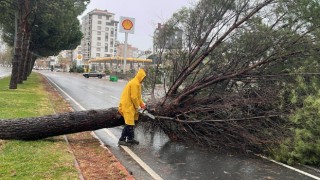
{"points": [[144, 112]]}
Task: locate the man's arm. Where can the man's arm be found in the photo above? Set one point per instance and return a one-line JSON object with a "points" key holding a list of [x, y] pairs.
{"points": [[135, 95]]}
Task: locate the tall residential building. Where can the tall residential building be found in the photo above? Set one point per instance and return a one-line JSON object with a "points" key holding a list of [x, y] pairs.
{"points": [[99, 34]]}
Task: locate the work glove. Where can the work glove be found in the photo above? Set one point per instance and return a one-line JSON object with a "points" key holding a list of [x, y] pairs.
{"points": [[143, 106]]}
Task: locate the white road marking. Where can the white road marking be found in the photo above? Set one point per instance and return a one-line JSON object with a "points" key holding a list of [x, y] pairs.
{"points": [[289, 167], [131, 153], [81, 107], [135, 157], [114, 98], [100, 92]]}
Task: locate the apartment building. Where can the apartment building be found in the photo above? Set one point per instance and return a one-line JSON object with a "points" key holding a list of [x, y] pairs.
{"points": [[99, 30]]}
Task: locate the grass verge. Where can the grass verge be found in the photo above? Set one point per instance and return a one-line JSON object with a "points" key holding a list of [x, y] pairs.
{"points": [[51, 158], [42, 159]]}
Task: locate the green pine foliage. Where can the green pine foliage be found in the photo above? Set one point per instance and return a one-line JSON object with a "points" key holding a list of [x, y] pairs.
{"points": [[304, 144]]}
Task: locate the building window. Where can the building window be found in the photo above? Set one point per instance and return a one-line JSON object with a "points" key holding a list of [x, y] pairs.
{"points": [[99, 38], [99, 32], [99, 22], [107, 37], [99, 17], [106, 48], [99, 27], [111, 42], [98, 55], [98, 49], [107, 29], [98, 43]]}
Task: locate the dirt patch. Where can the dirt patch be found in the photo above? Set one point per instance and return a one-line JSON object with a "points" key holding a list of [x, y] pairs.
{"points": [[93, 160]]}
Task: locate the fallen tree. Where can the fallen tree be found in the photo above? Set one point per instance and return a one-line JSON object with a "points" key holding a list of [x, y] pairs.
{"points": [[53, 125], [242, 69]]}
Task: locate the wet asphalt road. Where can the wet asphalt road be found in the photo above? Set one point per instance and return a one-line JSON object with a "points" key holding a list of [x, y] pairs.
{"points": [[168, 160], [4, 71]]}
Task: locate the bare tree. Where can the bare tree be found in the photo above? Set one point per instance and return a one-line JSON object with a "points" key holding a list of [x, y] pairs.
{"points": [[227, 84]]}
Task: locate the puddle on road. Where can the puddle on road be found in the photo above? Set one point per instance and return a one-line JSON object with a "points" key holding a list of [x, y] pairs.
{"points": [[174, 160]]}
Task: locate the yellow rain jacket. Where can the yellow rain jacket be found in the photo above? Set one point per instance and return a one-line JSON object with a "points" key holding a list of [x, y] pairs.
{"points": [[131, 98]]}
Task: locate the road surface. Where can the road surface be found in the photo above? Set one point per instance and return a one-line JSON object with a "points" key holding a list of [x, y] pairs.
{"points": [[158, 158], [4, 71]]}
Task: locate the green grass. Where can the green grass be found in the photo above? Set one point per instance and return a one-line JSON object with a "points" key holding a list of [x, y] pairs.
{"points": [[42, 159], [28, 100]]}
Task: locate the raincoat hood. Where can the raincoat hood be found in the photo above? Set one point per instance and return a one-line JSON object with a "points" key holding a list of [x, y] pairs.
{"points": [[141, 74], [131, 98]]}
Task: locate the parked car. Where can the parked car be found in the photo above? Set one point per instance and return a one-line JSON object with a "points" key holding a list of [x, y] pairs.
{"points": [[94, 74]]}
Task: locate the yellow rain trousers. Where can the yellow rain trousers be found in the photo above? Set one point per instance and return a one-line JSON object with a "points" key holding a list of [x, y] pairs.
{"points": [[131, 98]]}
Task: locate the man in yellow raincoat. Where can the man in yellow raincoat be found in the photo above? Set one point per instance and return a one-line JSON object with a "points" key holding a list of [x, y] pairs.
{"points": [[130, 102]]}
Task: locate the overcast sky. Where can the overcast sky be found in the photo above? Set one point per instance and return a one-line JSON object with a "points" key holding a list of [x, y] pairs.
{"points": [[147, 14]]}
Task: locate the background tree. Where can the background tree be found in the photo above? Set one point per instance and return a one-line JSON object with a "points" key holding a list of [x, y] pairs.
{"points": [[46, 28], [229, 84], [6, 57], [63, 62]]}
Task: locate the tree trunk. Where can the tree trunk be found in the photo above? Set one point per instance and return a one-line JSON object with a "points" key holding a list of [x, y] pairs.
{"points": [[23, 58], [25, 41], [54, 125], [24, 63], [17, 53], [28, 66], [14, 73], [32, 61]]}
